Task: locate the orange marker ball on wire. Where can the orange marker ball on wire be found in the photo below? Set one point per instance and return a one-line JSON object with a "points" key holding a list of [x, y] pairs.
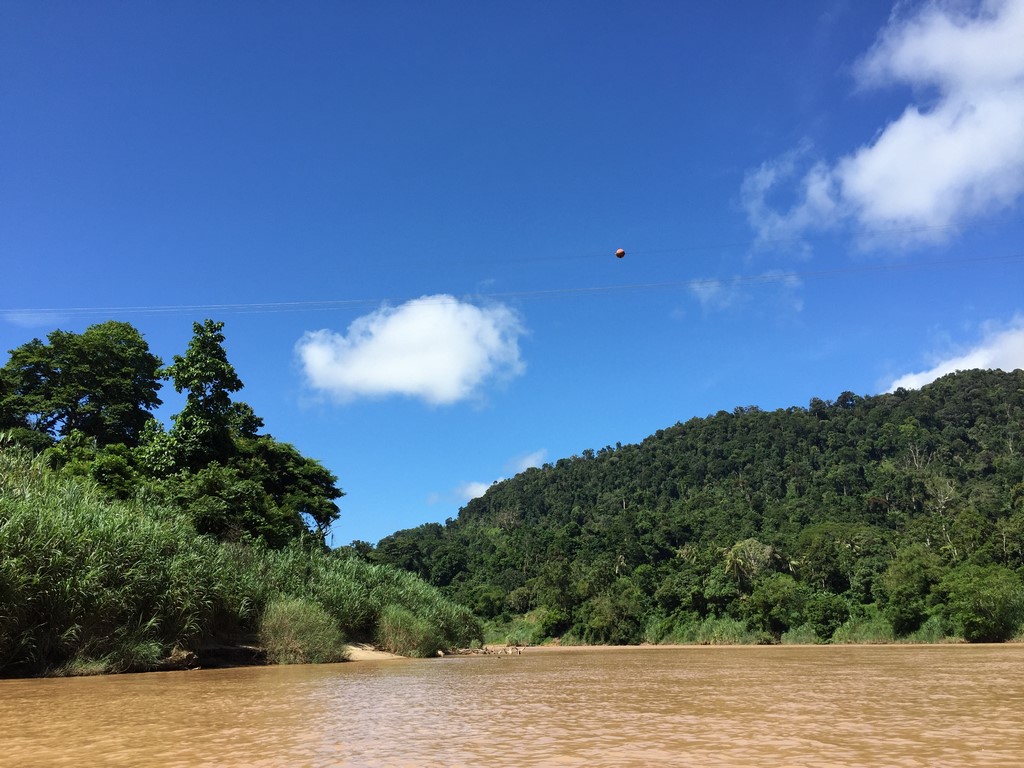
{"points": [[620, 253]]}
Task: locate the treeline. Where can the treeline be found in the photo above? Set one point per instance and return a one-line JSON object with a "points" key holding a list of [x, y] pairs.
{"points": [[85, 401], [124, 545], [861, 519]]}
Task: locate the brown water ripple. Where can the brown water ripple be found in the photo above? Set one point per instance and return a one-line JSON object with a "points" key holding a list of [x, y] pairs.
{"points": [[791, 706]]}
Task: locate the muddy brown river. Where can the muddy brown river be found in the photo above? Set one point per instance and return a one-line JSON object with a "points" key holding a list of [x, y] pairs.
{"points": [[923, 706]]}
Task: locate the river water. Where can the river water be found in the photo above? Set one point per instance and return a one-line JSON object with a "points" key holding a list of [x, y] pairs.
{"points": [[923, 706]]}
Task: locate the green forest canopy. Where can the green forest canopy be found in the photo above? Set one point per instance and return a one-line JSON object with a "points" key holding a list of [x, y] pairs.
{"points": [[897, 515], [86, 400]]}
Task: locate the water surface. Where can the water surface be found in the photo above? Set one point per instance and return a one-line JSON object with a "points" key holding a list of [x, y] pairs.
{"points": [[740, 706]]}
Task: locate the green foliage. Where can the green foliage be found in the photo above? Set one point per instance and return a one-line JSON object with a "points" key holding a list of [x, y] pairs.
{"points": [[905, 585], [84, 401], [202, 430], [985, 604], [80, 577], [866, 628], [841, 519], [824, 613], [102, 383], [805, 634], [403, 632], [614, 616], [777, 604], [213, 465], [715, 631], [298, 631], [88, 584]]}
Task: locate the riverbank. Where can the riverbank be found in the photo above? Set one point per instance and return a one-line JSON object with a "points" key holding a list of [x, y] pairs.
{"points": [[367, 652]]}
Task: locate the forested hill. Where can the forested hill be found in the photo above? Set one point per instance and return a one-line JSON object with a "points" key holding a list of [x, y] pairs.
{"points": [[880, 514]]}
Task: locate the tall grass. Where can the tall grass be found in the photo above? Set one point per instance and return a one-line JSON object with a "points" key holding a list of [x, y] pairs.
{"points": [[690, 629], [88, 584], [870, 627], [81, 578], [297, 631]]}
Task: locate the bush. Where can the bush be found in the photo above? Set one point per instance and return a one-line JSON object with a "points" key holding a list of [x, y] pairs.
{"points": [[934, 630], [401, 631], [868, 628], [802, 635], [298, 631], [714, 631], [825, 613]]}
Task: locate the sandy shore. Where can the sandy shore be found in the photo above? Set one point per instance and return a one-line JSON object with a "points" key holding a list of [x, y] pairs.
{"points": [[365, 652]]}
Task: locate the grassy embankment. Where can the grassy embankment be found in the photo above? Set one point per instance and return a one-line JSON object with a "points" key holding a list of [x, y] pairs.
{"points": [[89, 585]]}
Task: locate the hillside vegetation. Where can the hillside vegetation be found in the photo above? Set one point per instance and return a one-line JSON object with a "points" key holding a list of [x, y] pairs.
{"points": [[862, 519]]}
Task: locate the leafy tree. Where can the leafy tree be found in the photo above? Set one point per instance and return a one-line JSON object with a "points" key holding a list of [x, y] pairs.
{"points": [[615, 616], [905, 586], [984, 603], [825, 612], [202, 430], [748, 560], [102, 383], [301, 487], [778, 603]]}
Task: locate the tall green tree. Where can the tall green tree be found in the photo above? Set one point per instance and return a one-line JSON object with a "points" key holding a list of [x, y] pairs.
{"points": [[102, 383], [202, 430], [229, 479]]}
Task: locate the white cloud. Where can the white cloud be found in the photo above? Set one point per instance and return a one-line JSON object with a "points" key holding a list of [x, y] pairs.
{"points": [[1000, 348], [469, 491], [473, 489], [436, 348], [525, 462], [957, 155]]}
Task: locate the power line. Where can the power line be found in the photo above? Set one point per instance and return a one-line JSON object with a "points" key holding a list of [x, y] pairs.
{"points": [[337, 304]]}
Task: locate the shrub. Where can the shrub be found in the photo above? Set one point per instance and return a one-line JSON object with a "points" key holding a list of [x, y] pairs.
{"points": [[401, 631], [715, 631], [802, 635], [870, 627], [298, 631], [93, 585]]}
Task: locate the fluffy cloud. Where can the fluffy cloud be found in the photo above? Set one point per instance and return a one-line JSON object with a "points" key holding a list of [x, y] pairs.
{"points": [[939, 164], [1002, 349], [436, 348]]}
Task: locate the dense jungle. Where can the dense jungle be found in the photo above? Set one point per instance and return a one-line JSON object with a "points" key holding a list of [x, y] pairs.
{"points": [[862, 519]]}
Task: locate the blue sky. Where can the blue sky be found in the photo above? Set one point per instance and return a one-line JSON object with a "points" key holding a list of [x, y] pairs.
{"points": [[406, 213]]}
